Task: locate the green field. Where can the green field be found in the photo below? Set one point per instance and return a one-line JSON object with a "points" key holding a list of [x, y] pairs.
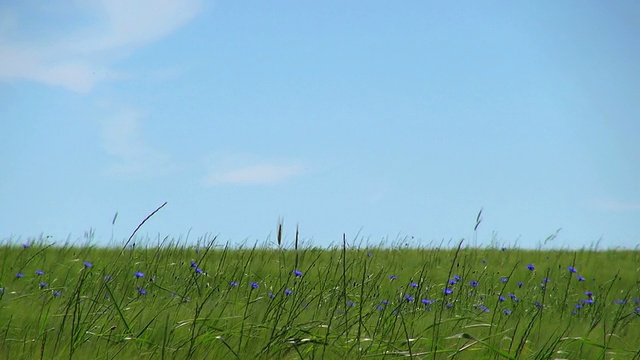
{"points": [[215, 302]]}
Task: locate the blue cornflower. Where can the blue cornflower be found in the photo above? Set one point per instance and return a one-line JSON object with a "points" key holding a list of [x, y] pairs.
{"points": [[456, 277], [587, 301], [142, 291], [580, 278], [199, 271], [414, 285], [39, 272], [271, 295], [504, 248], [572, 269], [506, 312], [26, 246], [351, 304], [519, 283], [379, 308], [531, 267], [56, 293], [637, 309], [88, 264], [539, 305], [255, 285], [297, 273], [368, 254], [545, 280], [427, 301], [288, 292], [578, 306], [107, 277], [504, 279], [393, 277], [19, 275], [193, 264], [385, 302], [408, 297], [483, 308], [138, 274], [501, 298], [588, 293], [473, 283], [43, 284], [447, 291], [233, 283]]}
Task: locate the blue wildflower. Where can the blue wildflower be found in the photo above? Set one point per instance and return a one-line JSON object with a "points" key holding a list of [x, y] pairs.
{"points": [[408, 297], [473, 283], [530, 267], [142, 291], [297, 273], [255, 285], [572, 269], [447, 291], [504, 279], [580, 278], [414, 285], [88, 264], [56, 293], [233, 283], [39, 272], [138, 274], [519, 283], [507, 312], [393, 277], [43, 284], [19, 275], [288, 292]]}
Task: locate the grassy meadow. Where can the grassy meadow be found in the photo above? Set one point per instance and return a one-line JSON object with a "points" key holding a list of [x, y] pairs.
{"points": [[216, 302]]}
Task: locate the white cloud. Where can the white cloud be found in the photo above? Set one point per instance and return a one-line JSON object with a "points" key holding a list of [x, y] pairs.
{"points": [[81, 58], [131, 155], [611, 205], [254, 175]]}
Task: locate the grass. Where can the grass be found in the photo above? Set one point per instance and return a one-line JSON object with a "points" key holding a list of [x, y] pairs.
{"points": [[212, 301]]}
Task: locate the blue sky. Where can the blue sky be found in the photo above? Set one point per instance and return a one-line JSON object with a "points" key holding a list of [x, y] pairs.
{"points": [[376, 119]]}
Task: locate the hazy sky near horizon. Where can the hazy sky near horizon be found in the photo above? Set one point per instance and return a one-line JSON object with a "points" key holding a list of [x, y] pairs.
{"points": [[377, 118]]}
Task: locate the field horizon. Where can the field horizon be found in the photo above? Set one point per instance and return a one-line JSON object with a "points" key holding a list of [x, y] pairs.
{"points": [[210, 300]]}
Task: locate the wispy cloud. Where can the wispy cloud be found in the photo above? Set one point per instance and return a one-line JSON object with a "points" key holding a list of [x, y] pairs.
{"points": [[258, 174], [81, 58], [130, 153], [611, 205]]}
